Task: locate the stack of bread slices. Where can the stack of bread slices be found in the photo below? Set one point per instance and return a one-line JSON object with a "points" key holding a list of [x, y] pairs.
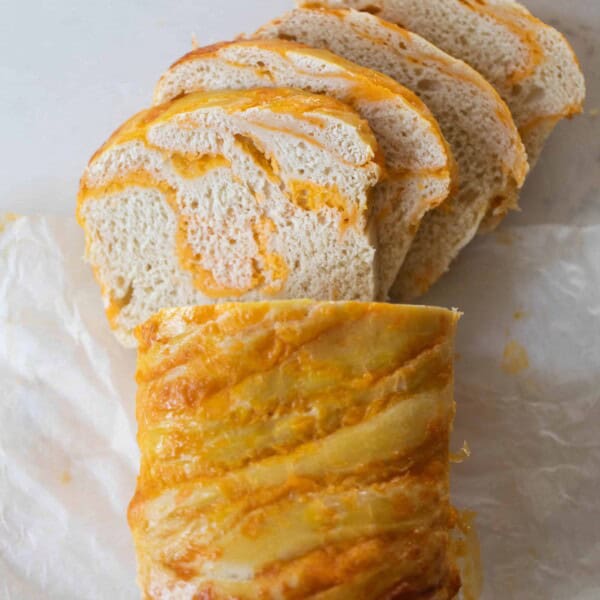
{"points": [[347, 150]]}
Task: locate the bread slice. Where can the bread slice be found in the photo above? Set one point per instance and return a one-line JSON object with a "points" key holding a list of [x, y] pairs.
{"points": [[530, 64], [473, 118], [237, 195], [418, 166]]}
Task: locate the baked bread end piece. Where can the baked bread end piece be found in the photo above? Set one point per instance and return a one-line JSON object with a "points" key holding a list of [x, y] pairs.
{"points": [[295, 450]]}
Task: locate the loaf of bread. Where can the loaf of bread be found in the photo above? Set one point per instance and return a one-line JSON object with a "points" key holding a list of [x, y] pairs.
{"points": [[474, 119], [418, 167], [531, 64], [294, 450], [236, 195]]}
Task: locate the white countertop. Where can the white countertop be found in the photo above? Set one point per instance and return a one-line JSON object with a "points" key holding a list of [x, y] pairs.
{"points": [[71, 72]]}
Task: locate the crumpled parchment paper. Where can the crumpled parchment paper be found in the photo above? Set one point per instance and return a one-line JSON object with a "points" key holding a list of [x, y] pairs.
{"points": [[67, 430], [528, 394]]}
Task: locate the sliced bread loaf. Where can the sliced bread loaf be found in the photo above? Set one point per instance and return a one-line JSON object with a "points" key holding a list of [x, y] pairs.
{"points": [[531, 64], [418, 167], [237, 195], [473, 118]]}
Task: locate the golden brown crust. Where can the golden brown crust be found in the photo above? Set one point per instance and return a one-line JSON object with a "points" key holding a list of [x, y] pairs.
{"points": [[295, 449]]}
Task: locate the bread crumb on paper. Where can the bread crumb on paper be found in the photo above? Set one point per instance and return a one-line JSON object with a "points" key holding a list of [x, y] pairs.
{"points": [[462, 455], [504, 237], [515, 359], [7, 218]]}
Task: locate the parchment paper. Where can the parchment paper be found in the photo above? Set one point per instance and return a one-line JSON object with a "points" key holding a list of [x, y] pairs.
{"points": [[67, 430], [528, 393]]}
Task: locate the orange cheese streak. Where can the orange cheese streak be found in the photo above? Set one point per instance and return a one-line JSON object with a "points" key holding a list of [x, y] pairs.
{"points": [[188, 259], [115, 305], [192, 166], [311, 196], [525, 35], [272, 262]]}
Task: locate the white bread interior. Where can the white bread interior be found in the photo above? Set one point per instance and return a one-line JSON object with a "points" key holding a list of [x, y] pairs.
{"points": [[231, 196], [531, 64], [475, 121], [419, 170]]}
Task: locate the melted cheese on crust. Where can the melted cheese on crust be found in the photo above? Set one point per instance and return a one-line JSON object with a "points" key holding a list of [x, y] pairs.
{"points": [[295, 449]]}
